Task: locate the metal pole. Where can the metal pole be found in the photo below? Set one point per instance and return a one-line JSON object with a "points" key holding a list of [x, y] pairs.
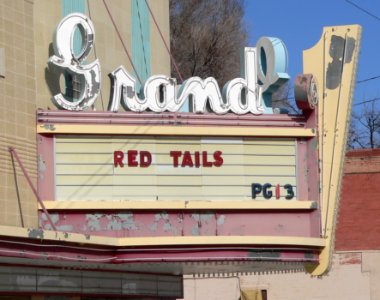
{"points": [[14, 152]]}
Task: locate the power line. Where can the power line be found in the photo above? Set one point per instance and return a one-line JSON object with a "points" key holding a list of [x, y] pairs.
{"points": [[367, 79], [363, 10], [121, 40], [163, 39], [367, 101]]}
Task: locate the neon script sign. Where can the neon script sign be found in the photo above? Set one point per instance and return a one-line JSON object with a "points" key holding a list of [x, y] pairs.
{"points": [[264, 72]]}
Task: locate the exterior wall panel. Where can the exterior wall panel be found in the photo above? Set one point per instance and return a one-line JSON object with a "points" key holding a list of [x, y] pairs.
{"points": [[17, 119]]}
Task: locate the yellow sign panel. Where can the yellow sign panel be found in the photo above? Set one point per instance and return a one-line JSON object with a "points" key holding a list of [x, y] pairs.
{"points": [[171, 168]]}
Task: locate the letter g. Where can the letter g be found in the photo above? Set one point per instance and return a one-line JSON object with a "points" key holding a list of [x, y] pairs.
{"points": [[72, 63]]}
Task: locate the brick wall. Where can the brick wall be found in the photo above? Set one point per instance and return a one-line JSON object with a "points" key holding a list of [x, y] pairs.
{"points": [[358, 225]]}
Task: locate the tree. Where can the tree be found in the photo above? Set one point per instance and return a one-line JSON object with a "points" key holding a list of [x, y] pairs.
{"points": [[281, 99], [207, 37], [365, 128]]}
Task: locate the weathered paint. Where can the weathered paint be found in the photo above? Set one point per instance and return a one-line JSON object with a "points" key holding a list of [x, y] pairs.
{"points": [[36, 233], [196, 231], [211, 225], [105, 241], [46, 175], [181, 205], [333, 62], [177, 223]]}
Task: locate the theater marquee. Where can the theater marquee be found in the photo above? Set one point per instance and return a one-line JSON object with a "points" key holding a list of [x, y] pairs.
{"points": [[228, 181], [175, 168]]}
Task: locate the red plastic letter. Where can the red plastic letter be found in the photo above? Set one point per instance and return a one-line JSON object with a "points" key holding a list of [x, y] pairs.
{"points": [[132, 162], [145, 159], [118, 159], [187, 160], [197, 159], [218, 159], [204, 159], [175, 155]]}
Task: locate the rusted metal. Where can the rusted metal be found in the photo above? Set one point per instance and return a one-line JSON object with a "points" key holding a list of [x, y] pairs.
{"points": [[26, 175], [305, 91]]}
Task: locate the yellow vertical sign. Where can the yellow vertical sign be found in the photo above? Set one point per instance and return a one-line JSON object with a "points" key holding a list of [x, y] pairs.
{"points": [[333, 62]]}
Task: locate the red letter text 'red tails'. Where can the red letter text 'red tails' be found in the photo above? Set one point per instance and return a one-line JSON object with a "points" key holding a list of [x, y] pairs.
{"points": [[183, 159]]}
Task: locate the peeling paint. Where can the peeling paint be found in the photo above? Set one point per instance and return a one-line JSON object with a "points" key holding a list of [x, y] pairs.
{"points": [[50, 127], [36, 233], [195, 230], [121, 221], [334, 68], [221, 219], [341, 51], [196, 217], [44, 217], [350, 48], [41, 167], [93, 221], [165, 215], [203, 217], [153, 227], [65, 228], [48, 227], [167, 227], [54, 218], [206, 217]]}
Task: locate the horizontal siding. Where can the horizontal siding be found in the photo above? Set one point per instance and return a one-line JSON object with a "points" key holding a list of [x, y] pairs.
{"points": [[85, 171]]}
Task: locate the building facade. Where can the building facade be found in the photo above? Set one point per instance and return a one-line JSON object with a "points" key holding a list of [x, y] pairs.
{"points": [[355, 269], [27, 84], [109, 190]]}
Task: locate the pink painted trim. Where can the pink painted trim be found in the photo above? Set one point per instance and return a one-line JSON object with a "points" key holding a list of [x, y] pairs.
{"points": [[169, 119], [314, 171], [302, 172], [46, 174]]}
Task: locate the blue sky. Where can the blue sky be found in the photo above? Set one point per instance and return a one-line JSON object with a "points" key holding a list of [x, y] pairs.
{"points": [[299, 24]]}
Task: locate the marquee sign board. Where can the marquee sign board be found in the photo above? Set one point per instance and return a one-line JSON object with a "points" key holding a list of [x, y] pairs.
{"points": [[237, 183], [174, 168]]}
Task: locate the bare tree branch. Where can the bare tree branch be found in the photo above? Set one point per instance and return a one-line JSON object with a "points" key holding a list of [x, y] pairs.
{"points": [[207, 37], [365, 128]]}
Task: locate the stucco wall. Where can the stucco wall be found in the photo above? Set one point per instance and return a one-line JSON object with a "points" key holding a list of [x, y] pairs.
{"points": [[346, 281]]}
